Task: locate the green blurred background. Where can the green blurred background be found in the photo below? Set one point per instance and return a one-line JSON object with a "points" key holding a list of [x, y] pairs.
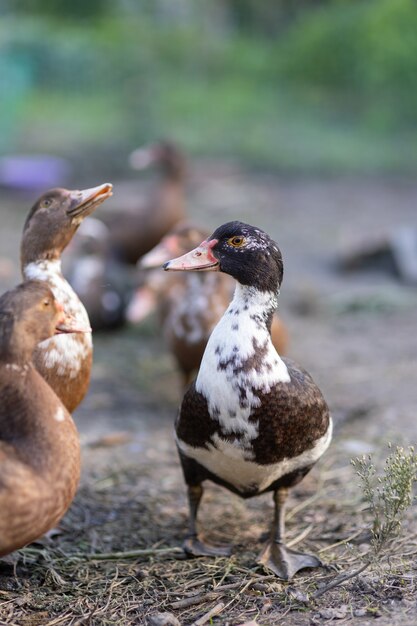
{"points": [[306, 86]]}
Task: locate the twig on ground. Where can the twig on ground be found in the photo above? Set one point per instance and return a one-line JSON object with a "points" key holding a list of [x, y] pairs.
{"points": [[301, 536], [207, 617], [341, 579], [199, 598], [303, 505]]}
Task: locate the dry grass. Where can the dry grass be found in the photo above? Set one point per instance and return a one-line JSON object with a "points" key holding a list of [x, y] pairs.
{"points": [[133, 497], [117, 558]]}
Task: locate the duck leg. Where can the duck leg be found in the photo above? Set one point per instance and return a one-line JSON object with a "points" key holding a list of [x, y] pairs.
{"points": [[194, 545], [276, 557]]}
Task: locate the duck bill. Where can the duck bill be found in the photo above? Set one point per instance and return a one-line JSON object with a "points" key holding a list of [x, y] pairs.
{"points": [[201, 259], [68, 324], [84, 202], [143, 303], [159, 255]]}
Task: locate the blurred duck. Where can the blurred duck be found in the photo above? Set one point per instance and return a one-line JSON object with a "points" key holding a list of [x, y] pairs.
{"points": [[102, 283], [189, 304], [64, 361], [39, 446], [135, 231]]}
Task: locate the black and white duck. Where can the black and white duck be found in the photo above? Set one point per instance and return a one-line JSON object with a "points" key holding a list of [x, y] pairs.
{"points": [[252, 421]]}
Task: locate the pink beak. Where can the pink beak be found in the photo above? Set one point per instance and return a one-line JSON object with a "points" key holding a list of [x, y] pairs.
{"points": [[68, 324], [201, 259]]}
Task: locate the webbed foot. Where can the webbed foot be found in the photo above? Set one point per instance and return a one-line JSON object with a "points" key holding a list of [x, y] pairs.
{"points": [[285, 562], [194, 546]]}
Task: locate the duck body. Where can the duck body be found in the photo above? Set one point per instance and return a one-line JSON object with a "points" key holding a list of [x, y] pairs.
{"points": [[134, 232], [252, 421], [64, 361], [266, 423], [102, 283], [36, 487], [39, 445]]}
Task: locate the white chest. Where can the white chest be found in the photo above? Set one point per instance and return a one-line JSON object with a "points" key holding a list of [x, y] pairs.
{"points": [[240, 362], [66, 353]]}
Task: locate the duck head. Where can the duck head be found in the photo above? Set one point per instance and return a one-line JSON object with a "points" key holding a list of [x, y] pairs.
{"points": [[55, 217], [29, 314], [164, 154], [145, 298], [243, 251], [177, 242]]}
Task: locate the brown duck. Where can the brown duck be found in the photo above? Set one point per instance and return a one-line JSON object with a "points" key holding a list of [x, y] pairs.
{"points": [[189, 304], [136, 230], [252, 421], [39, 446], [64, 361]]}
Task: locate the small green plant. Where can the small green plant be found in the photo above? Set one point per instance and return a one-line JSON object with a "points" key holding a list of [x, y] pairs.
{"points": [[388, 495]]}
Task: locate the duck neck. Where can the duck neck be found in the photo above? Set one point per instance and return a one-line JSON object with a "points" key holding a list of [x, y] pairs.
{"points": [[261, 305], [41, 269], [15, 352], [240, 362], [15, 356], [35, 249], [173, 170]]}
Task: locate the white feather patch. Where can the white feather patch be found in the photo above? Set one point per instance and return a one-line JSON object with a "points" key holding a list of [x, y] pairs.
{"points": [[232, 342], [229, 462], [60, 414], [64, 352]]}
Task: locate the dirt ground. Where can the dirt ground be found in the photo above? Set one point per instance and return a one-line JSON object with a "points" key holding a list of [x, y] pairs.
{"points": [[356, 334]]}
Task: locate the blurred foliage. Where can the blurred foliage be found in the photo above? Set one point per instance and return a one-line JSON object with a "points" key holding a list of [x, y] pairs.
{"points": [[75, 9], [363, 51], [323, 84]]}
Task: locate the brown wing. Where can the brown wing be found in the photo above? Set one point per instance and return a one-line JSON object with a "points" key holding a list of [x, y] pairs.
{"points": [[194, 424], [291, 418]]}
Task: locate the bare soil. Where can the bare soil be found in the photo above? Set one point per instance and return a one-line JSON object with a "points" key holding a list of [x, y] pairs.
{"points": [[357, 336]]}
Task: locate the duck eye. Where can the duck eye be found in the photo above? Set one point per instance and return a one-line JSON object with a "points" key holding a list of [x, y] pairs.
{"points": [[236, 242], [46, 303], [46, 203]]}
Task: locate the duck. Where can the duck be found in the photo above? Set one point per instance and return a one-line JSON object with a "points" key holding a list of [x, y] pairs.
{"points": [[189, 304], [252, 421], [64, 361], [136, 230], [39, 444]]}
